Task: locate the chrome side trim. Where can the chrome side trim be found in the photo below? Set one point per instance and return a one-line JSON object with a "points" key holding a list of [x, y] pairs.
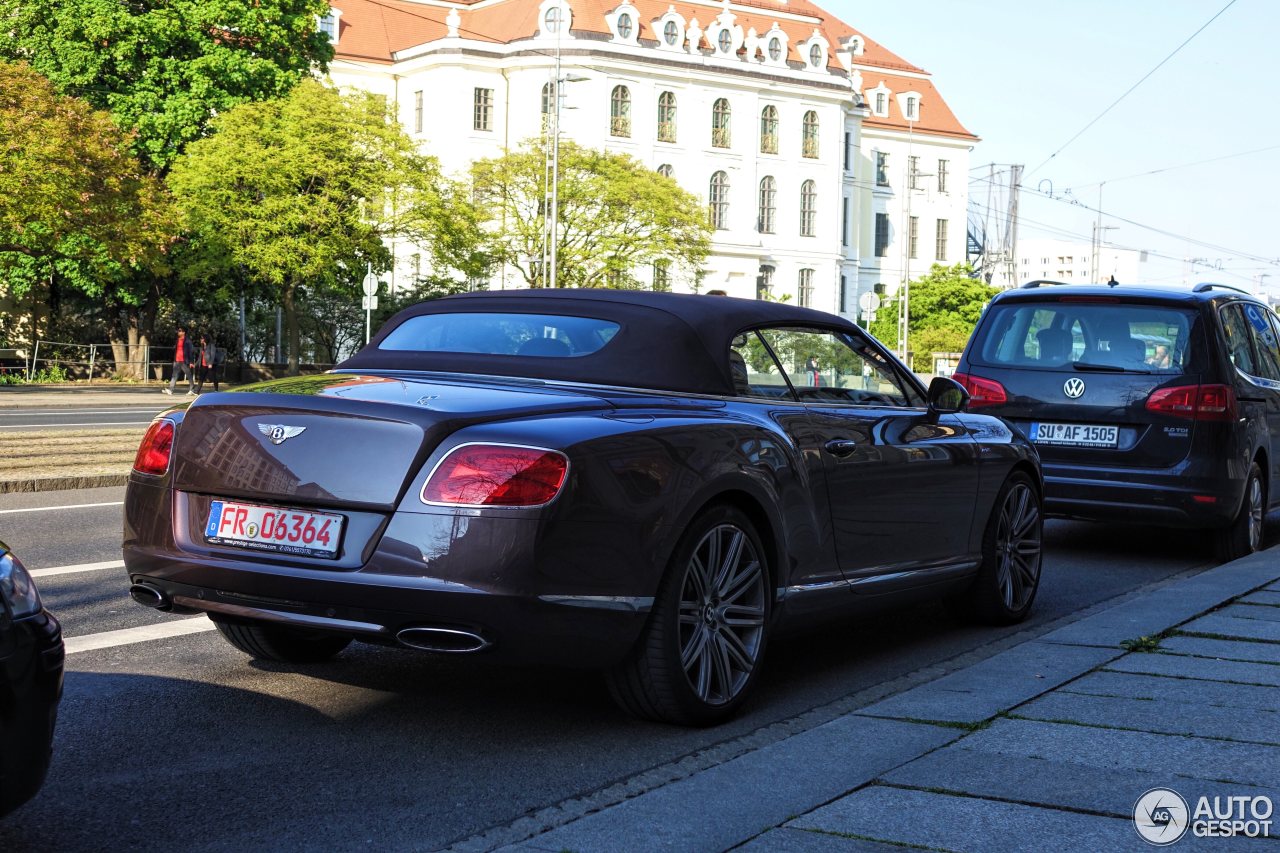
{"points": [[296, 620], [625, 603], [871, 580]]}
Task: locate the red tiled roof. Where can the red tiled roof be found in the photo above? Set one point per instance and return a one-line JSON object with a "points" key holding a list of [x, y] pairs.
{"points": [[374, 30]]}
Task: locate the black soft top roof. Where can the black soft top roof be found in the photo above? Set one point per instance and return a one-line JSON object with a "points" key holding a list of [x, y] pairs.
{"points": [[665, 341]]}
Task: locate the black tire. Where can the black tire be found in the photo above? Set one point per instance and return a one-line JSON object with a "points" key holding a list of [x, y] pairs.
{"points": [[275, 642], [702, 647], [1007, 582], [1243, 535]]}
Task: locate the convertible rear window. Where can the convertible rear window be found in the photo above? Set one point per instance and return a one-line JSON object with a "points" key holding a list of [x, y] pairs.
{"points": [[536, 335], [1116, 335]]}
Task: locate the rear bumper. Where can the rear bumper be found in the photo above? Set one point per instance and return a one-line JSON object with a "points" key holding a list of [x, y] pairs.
{"points": [[1170, 497], [31, 668], [561, 594]]}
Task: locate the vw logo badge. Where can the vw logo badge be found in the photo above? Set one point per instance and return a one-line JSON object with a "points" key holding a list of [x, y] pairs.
{"points": [[1074, 388]]}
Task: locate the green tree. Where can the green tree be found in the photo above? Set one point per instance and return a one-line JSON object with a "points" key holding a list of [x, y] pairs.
{"points": [[944, 306], [303, 192], [163, 69], [76, 207], [615, 216]]}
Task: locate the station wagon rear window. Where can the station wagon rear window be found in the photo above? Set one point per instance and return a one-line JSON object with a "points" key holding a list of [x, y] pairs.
{"points": [[523, 335], [1056, 335]]}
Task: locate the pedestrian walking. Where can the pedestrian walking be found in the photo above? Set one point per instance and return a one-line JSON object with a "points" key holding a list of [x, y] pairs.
{"points": [[208, 364], [184, 362]]}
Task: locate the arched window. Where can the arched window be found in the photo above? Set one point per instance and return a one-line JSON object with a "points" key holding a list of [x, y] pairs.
{"points": [[670, 33], [718, 201], [809, 135], [769, 130], [775, 48], [620, 111], [804, 289], [720, 123], [666, 171], [624, 26], [725, 41], [548, 105], [815, 55], [768, 205], [667, 117], [808, 208]]}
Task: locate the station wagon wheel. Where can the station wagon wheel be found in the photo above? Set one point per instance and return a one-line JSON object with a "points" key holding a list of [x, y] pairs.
{"points": [[702, 647], [1012, 545], [1243, 535]]}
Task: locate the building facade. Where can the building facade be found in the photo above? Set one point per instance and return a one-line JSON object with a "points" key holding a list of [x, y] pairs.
{"points": [[1071, 261], [830, 166]]}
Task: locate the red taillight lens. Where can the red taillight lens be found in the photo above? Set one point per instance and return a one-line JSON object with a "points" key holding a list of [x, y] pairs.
{"points": [[982, 392], [1195, 402], [155, 450], [496, 475]]}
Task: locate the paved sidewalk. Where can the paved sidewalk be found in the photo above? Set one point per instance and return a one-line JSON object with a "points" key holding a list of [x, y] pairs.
{"points": [[1046, 746]]}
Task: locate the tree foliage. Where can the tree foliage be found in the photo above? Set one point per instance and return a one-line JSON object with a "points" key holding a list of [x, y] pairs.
{"points": [[76, 207], [304, 191], [944, 306], [164, 68], [615, 215]]}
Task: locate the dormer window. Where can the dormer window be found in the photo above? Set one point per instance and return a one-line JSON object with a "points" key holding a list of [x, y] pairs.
{"points": [[671, 33], [551, 21], [329, 25], [815, 56], [725, 41], [624, 26], [882, 103], [775, 48], [912, 113]]}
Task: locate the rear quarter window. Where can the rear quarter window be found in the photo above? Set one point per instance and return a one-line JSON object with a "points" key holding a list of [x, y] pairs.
{"points": [[1056, 335]]}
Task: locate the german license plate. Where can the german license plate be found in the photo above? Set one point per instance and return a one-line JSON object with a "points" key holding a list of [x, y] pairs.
{"points": [[1075, 435], [272, 528]]}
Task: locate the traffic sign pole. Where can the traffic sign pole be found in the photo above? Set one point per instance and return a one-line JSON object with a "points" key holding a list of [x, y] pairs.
{"points": [[370, 301]]}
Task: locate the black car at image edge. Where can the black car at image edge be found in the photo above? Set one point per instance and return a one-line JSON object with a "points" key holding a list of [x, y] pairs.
{"points": [[31, 665], [1148, 404]]}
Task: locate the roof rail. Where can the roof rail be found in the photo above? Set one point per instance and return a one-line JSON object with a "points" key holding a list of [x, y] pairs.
{"points": [[1031, 285], [1211, 285]]}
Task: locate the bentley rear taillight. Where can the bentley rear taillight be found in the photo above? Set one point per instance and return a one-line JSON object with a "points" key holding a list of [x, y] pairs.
{"points": [[1195, 402], [155, 450], [982, 392], [496, 475]]}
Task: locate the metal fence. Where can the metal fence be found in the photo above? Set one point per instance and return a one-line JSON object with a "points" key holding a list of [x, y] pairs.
{"points": [[89, 362]]}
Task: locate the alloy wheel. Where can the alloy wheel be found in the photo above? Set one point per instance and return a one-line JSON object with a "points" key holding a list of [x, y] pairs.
{"points": [[721, 614], [1255, 513], [1018, 547]]}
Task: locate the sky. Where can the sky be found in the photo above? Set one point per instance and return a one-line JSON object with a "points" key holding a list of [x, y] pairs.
{"points": [[1028, 75]]}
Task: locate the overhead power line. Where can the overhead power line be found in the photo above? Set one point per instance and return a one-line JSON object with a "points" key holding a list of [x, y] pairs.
{"points": [[1179, 166], [1128, 91]]}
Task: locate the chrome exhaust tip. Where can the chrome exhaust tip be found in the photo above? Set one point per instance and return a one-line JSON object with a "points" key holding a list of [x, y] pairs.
{"points": [[447, 640], [150, 596]]}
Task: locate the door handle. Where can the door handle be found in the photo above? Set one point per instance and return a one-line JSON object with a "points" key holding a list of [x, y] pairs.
{"points": [[841, 446]]}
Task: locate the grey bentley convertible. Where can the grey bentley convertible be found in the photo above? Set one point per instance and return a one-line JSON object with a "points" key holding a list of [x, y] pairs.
{"points": [[648, 484]]}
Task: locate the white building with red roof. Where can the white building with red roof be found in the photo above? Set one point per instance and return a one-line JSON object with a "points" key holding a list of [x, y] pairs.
{"points": [[800, 132]]}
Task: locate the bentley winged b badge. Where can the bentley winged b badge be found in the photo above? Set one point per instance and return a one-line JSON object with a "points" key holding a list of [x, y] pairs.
{"points": [[279, 433]]}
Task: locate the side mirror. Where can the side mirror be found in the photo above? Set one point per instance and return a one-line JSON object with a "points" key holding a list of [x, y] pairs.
{"points": [[947, 396]]}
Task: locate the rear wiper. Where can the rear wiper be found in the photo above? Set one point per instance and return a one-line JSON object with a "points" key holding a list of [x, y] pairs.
{"points": [[1107, 368]]}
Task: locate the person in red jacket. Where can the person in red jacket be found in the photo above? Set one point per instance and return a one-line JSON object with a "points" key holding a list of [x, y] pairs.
{"points": [[208, 355], [184, 362]]}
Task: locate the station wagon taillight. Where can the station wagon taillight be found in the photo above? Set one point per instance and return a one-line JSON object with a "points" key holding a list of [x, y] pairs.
{"points": [[155, 450], [496, 475], [982, 392], [1195, 402]]}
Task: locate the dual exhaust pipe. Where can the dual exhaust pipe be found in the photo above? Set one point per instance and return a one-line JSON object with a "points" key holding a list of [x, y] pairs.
{"points": [[428, 638]]}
